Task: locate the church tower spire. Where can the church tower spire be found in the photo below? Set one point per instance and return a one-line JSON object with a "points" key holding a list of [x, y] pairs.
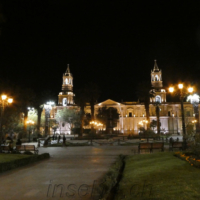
{"points": [[66, 96], [68, 70], [156, 76], [157, 85], [155, 66]]}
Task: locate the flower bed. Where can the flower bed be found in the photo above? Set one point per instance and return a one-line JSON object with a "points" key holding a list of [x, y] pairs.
{"points": [[191, 158]]}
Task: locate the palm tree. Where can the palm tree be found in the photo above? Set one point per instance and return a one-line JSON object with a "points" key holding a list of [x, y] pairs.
{"points": [[157, 104], [42, 98], [92, 92], [81, 99], [144, 94], [109, 117], [25, 98]]}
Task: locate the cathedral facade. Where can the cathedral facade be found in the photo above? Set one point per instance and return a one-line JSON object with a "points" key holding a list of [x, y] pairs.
{"points": [[131, 114]]}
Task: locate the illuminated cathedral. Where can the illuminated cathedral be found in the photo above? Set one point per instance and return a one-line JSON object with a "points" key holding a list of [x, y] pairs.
{"points": [[132, 113]]}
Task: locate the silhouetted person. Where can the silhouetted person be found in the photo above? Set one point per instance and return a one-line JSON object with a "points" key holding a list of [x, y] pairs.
{"points": [[64, 140], [59, 138], [18, 142]]}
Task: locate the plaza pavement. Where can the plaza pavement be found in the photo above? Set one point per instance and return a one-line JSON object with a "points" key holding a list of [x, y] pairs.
{"points": [[70, 166]]}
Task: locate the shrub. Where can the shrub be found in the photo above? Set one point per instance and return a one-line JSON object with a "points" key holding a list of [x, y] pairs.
{"points": [[28, 153], [110, 179], [23, 161]]}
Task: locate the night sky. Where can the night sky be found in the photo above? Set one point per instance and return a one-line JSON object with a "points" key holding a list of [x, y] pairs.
{"points": [[111, 44]]}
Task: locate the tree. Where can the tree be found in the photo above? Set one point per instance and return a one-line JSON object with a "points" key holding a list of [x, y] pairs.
{"points": [[92, 92], [11, 122], [41, 99], [154, 124], [25, 98], [69, 116], [108, 117], [144, 94], [157, 104], [81, 99]]}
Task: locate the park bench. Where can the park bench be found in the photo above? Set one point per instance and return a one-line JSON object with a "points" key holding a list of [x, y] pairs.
{"points": [[6, 149], [27, 148], [175, 145], [149, 138], [159, 145], [151, 146], [144, 146]]}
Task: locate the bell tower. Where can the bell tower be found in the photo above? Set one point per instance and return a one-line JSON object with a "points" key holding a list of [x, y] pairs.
{"points": [[66, 97], [157, 85], [156, 76]]}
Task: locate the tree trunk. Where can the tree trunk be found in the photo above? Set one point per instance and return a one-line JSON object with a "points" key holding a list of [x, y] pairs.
{"points": [[147, 112], [92, 109], [39, 119], [158, 119], [92, 115], [82, 120], [25, 120]]}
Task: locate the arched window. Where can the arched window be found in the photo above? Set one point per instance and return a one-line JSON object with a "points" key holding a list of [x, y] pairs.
{"points": [[66, 81], [156, 77], [158, 99], [64, 101]]}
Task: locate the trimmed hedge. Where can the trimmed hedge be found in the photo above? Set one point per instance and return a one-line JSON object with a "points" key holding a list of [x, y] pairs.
{"points": [[21, 162], [110, 179]]}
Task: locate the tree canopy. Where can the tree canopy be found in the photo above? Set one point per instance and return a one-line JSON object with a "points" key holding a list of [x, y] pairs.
{"points": [[69, 116], [108, 116]]}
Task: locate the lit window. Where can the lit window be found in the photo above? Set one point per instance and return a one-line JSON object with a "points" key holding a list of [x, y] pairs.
{"points": [[158, 99], [64, 101]]}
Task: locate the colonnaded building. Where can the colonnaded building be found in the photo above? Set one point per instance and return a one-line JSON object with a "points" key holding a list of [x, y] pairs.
{"points": [[131, 113]]}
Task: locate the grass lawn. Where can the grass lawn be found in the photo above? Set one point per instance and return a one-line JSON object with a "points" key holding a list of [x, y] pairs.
{"points": [[11, 157], [158, 176]]}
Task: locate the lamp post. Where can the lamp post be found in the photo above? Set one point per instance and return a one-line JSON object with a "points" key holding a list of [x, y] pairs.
{"points": [[29, 122], [47, 107], [4, 101], [183, 93], [194, 100]]}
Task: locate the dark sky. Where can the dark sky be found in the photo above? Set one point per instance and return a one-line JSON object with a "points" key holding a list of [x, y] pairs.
{"points": [[111, 44]]}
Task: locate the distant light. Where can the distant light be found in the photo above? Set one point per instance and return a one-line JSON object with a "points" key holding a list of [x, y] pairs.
{"points": [[180, 86], [190, 89], [3, 97], [193, 98], [10, 100], [171, 89]]}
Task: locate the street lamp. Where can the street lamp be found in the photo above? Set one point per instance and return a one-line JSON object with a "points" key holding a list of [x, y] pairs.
{"points": [[183, 93], [142, 123], [47, 107], [95, 124], [4, 101], [194, 100], [30, 122]]}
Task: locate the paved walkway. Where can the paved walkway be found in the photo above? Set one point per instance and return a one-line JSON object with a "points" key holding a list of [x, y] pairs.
{"points": [[70, 166]]}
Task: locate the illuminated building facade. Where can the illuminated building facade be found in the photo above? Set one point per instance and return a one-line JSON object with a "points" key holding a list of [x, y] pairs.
{"points": [[132, 113]]}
